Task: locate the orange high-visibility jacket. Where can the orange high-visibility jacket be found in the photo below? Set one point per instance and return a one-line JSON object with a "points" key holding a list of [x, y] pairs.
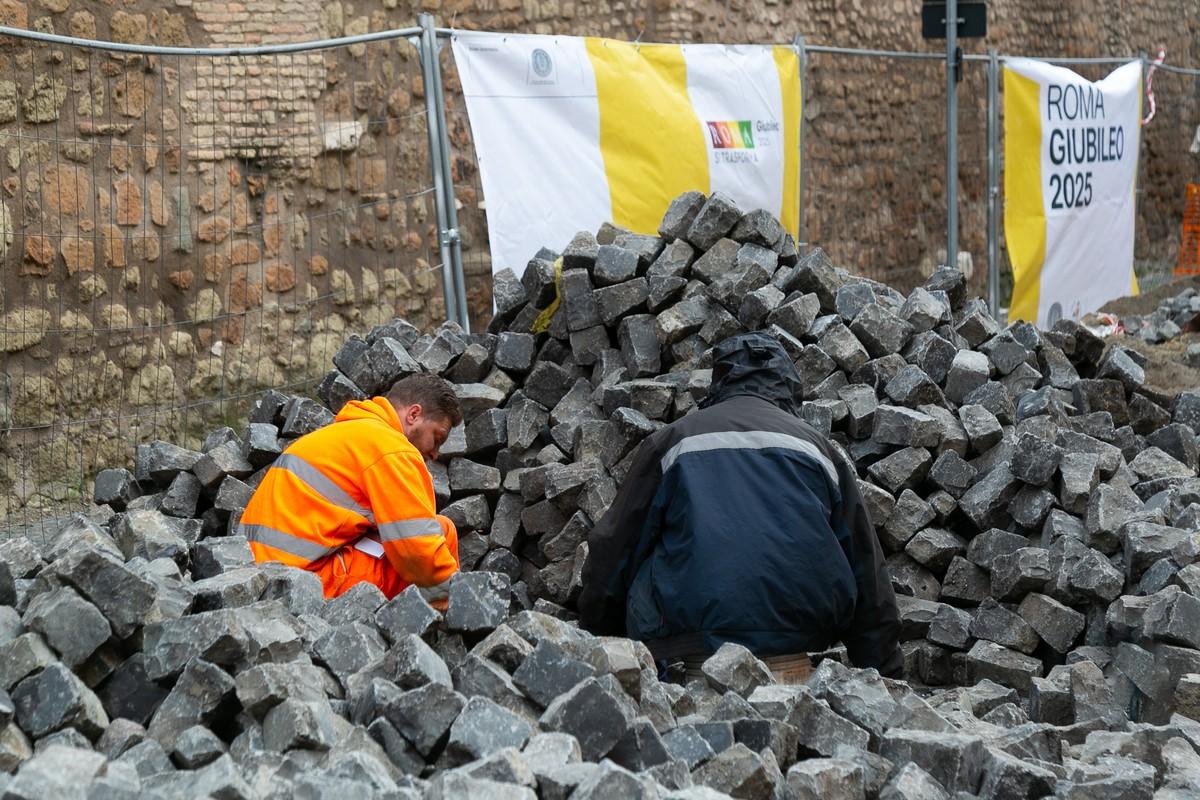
{"points": [[335, 487]]}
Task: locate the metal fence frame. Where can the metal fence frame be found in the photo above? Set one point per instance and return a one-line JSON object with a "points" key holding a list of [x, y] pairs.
{"points": [[81, 436], [430, 41]]}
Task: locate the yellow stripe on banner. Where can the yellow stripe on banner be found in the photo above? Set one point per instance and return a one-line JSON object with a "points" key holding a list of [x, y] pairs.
{"points": [[1133, 288], [651, 140], [787, 62], [1024, 213]]}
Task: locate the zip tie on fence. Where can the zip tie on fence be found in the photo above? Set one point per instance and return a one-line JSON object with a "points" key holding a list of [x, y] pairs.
{"points": [[1155, 64], [543, 319]]}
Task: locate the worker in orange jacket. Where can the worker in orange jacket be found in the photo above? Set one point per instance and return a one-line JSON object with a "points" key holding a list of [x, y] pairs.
{"points": [[354, 500]]}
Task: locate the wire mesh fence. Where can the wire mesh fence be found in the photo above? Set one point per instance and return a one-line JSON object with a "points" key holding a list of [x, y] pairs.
{"points": [[973, 177], [183, 231], [1170, 160], [874, 164], [468, 196]]}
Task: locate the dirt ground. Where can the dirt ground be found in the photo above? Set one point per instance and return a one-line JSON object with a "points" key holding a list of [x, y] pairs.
{"points": [[1146, 303], [1166, 364], [1167, 370]]}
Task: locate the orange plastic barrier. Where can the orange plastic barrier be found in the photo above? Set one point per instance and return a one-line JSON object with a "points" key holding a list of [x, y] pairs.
{"points": [[1189, 244]]}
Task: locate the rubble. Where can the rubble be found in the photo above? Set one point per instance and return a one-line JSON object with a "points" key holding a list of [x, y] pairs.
{"points": [[1173, 316], [1037, 506]]}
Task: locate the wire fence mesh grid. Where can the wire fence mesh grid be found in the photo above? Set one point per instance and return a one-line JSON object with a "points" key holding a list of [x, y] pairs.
{"points": [[972, 177], [468, 195], [874, 164], [1169, 161], [181, 232]]}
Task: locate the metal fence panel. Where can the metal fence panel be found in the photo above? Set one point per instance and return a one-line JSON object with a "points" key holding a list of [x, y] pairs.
{"points": [[468, 196], [874, 165], [1170, 156], [182, 231], [973, 176]]}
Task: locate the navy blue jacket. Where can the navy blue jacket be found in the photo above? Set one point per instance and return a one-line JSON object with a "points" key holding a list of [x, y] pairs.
{"points": [[739, 523]]}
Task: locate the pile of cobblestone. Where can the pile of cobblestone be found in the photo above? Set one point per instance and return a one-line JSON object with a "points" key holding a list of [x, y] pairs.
{"points": [[1174, 316], [1038, 504]]}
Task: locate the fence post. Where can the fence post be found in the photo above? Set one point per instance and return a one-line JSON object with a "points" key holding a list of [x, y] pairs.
{"points": [[993, 182], [801, 231], [449, 245], [951, 133], [1143, 57]]}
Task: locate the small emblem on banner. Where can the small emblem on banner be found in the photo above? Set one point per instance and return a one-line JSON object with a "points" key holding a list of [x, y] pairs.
{"points": [[738, 141], [542, 66]]}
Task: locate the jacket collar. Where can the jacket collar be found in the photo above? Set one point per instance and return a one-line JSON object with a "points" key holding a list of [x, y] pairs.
{"points": [[376, 408]]}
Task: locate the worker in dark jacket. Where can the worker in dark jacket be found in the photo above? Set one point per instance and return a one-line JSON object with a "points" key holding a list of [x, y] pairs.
{"points": [[739, 523]]}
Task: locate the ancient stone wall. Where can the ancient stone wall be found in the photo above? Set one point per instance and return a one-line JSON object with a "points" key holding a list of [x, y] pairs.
{"points": [[179, 229]]}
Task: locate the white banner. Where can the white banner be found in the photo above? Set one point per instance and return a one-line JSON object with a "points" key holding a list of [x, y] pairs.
{"points": [[1070, 156], [572, 132]]}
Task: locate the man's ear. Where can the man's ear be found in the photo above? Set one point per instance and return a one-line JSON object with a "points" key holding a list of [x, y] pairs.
{"points": [[413, 413]]}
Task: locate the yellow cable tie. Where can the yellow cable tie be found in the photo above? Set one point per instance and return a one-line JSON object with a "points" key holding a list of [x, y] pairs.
{"points": [[543, 319]]}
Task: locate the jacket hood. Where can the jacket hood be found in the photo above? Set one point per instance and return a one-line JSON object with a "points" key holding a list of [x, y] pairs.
{"points": [[376, 408], [754, 364]]}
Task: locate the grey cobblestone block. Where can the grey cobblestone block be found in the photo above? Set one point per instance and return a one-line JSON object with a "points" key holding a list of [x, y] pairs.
{"points": [[972, 446], [714, 220], [680, 214]]}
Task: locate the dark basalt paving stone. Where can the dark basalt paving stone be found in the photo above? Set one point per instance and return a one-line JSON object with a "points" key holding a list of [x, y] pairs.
{"points": [[1036, 503]]}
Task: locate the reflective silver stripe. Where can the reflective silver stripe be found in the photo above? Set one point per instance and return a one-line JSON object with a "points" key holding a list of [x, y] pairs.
{"points": [[288, 543], [747, 440], [439, 591], [408, 528], [321, 483], [370, 546]]}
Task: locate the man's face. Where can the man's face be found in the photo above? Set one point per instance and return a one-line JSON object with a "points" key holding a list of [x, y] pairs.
{"points": [[427, 433]]}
